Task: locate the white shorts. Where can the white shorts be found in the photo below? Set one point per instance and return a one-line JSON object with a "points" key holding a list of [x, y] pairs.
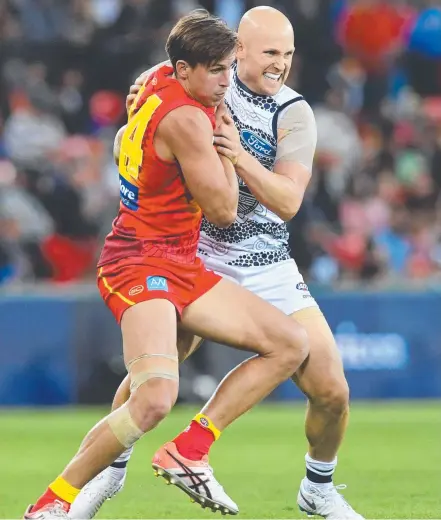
{"points": [[280, 284]]}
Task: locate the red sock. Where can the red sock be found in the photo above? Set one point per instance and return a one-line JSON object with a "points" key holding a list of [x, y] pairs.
{"points": [[194, 442], [48, 497]]}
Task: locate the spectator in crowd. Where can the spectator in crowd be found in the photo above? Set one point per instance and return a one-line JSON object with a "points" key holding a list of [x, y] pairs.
{"points": [[373, 210]]}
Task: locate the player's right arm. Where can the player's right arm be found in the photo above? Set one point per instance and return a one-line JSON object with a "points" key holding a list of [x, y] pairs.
{"points": [[188, 135]]}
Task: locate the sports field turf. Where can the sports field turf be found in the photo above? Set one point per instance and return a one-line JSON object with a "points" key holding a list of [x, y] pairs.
{"points": [[391, 461]]}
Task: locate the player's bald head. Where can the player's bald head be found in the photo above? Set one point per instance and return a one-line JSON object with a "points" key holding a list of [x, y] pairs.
{"points": [[266, 47], [262, 21]]}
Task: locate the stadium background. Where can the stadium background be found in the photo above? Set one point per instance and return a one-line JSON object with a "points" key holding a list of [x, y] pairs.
{"points": [[367, 239]]}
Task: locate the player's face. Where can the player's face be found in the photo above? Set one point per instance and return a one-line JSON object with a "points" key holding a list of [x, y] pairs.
{"points": [[209, 84], [265, 62]]}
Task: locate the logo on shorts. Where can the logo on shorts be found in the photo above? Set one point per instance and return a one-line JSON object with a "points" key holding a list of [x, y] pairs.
{"points": [[204, 422], [301, 286], [136, 290], [157, 283]]}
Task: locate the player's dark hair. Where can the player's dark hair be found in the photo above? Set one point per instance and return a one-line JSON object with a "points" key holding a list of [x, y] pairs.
{"points": [[200, 39]]}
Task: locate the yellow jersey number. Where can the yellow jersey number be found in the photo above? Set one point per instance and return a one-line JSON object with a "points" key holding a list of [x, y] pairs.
{"points": [[131, 154]]}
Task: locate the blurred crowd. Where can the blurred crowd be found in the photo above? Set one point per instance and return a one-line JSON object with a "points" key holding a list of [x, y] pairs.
{"points": [[371, 69]]}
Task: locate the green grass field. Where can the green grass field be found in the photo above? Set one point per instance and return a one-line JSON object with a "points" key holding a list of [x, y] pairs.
{"points": [[391, 462]]}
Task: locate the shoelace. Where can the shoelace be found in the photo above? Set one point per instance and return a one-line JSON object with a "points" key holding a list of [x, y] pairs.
{"points": [[335, 492]]}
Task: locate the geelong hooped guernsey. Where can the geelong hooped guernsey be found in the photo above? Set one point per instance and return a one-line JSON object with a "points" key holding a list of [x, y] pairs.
{"points": [[258, 236]]}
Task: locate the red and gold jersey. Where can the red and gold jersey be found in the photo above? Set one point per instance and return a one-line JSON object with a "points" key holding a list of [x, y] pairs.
{"points": [[157, 216]]}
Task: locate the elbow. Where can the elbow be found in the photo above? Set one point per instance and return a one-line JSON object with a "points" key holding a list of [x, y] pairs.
{"points": [[287, 214], [227, 220], [289, 210], [222, 219]]}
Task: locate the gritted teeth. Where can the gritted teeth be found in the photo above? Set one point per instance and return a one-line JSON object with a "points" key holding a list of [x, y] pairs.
{"points": [[274, 77]]}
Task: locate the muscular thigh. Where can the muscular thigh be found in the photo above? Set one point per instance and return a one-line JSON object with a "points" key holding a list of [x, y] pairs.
{"points": [[231, 315], [149, 343], [149, 328], [323, 368]]}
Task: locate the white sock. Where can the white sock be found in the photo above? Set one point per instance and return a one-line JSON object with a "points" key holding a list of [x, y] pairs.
{"points": [[318, 470], [124, 457]]}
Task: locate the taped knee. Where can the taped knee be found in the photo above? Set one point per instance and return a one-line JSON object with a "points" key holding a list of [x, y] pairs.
{"points": [[124, 427], [161, 366]]}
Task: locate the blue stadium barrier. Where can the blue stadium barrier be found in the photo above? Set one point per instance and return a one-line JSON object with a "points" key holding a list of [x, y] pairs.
{"points": [[57, 350], [37, 351], [390, 343]]}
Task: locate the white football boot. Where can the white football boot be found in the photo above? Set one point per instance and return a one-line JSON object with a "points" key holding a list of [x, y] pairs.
{"points": [[93, 495], [54, 511], [326, 502]]}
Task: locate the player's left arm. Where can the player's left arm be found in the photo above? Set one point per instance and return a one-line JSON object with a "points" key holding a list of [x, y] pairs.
{"points": [[282, 189]]}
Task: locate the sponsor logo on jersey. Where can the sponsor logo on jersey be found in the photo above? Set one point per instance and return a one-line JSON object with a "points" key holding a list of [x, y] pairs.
{"points": [[129, 194], [301, 286], [257, 144], [157, 283]]}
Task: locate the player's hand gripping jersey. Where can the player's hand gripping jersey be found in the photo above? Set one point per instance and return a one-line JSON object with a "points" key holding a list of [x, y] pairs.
{"points": [[151, 250], [157, 216]]}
